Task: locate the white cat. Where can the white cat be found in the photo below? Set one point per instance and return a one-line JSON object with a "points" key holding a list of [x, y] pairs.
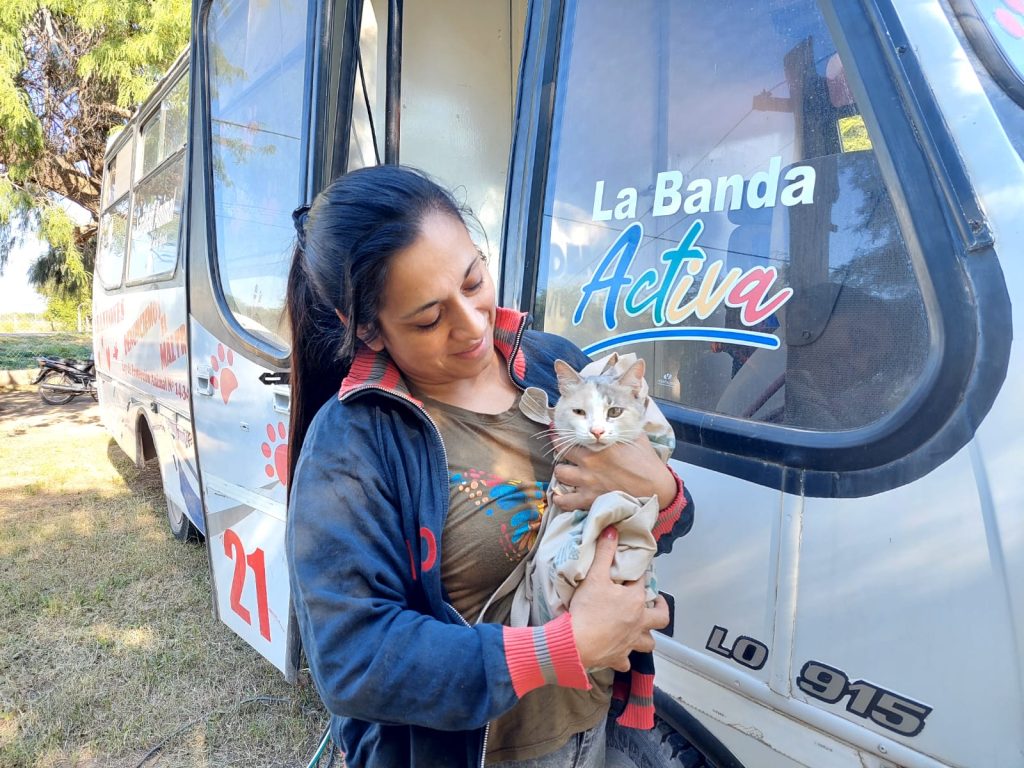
{"points": [[604, 404]]}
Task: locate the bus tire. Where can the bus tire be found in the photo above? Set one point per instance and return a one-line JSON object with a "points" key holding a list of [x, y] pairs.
{"points": [[660, 747], [181, 527], [59, 379]]}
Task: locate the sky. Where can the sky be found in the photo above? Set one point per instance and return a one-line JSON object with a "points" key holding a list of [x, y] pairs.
{"points": [[16, 295]]}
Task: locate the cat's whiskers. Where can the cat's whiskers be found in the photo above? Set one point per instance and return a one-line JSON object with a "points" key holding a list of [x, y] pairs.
{"points": [[553, 432], [563, 445], [566, 442]]}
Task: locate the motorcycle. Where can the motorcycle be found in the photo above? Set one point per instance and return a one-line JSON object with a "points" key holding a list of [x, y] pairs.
{"points": [[61, 379]]}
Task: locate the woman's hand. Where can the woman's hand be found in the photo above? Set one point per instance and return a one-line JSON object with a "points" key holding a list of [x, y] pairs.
{"points": [[610, 620], [634, 468]]}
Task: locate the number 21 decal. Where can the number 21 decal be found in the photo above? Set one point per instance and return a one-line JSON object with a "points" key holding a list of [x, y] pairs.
{"points": [[887, 709], [255, 560]]}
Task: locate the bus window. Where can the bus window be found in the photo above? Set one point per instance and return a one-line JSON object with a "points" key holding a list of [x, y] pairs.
{"points": [[164, 133], [113, 243], [257, 58], [368, 104], [717, 208], [456, 119], [118, 175], [157, 198], [156, 216]]}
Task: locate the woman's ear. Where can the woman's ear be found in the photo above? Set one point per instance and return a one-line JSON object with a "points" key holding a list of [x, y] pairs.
{"points": [[362, 333], [376, 343]]}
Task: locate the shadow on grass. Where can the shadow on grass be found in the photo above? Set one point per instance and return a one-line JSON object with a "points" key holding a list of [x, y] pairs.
{"points": [[145, 482], [108, 645], [23, 409]]}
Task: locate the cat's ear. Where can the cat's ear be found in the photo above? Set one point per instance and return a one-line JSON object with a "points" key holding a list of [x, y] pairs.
{"points": [[634, 377], [610, 362], [567, 376]]}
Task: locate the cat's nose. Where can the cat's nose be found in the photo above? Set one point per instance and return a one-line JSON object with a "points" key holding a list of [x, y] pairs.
{"points": [[596, 433]]}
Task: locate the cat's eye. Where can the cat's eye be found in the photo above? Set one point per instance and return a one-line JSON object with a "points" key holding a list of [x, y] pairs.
{"points": [[614, 412], [579, 411]]}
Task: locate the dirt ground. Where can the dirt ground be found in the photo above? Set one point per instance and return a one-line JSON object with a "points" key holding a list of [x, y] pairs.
{"points": [[22, 410], [108, 645]]}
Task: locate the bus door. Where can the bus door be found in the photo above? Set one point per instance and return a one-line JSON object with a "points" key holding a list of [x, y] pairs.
{"points": [[285, 101], [248, 143], [455, 118]]}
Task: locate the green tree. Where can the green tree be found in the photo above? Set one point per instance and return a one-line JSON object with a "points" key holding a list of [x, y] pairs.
{"points": [[64, 313], [71, 72]]}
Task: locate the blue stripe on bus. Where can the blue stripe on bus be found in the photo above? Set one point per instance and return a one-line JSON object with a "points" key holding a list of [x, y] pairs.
{"points": [[745, 338]]}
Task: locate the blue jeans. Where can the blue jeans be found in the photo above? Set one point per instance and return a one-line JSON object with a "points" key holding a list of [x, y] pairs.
{"points": [[584, 750]]}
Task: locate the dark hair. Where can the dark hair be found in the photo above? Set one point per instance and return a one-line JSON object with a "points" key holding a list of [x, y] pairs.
{"points": [[347, 239]]}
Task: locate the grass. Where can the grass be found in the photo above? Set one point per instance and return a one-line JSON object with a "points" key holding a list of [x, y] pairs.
{"points": [[108, 646], [19, 351]]}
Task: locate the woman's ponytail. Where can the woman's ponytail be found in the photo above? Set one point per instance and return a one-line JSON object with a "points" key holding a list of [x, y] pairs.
{"points": [[316, 368]]}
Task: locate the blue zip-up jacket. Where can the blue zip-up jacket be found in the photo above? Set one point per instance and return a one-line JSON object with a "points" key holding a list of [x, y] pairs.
{"points": [[407, 681]]}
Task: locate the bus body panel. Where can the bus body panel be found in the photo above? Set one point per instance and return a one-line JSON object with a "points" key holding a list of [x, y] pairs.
{"points": [[142, 378], [241, 435]]}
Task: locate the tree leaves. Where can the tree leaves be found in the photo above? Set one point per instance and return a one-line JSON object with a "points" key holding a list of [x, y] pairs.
{"points": [[71, 73]]}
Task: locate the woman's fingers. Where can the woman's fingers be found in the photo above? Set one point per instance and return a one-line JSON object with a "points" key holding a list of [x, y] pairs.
{"points": [[610, 620], [604, 554], [573, 500], [634, 468], [659, 615]]}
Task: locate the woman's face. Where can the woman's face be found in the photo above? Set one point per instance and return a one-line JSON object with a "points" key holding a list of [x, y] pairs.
{"points": [[436, 319]]}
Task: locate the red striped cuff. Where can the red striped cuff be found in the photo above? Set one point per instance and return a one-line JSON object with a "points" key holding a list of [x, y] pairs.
{"points": [[544, 655], [669, 514], [639, 711]]}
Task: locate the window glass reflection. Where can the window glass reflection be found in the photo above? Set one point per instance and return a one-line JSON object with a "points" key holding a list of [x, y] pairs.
{"points": [[155, 222], [164, 132], [1005, 19], [257, 60], [717, 208], [368, 104], [113, 243], [118, 174]]}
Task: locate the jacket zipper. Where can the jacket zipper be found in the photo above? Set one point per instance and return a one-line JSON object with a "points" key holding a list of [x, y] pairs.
{"points": [[487, 728], [515, 350], [405, 400], [444, 454]]}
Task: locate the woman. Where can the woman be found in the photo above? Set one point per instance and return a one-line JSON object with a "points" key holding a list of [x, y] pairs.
{"points": [[408, 506]]}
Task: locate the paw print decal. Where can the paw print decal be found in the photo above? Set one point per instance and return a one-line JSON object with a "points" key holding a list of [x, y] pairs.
{"points": [[275, 450], [225, 380], [1011, 18]]}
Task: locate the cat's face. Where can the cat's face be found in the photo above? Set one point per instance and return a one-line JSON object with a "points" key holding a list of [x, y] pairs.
{"points": [[598, 411]]}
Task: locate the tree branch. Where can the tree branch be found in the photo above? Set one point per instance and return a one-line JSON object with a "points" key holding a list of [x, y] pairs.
{"points": [[57, 174], [114, 110]]}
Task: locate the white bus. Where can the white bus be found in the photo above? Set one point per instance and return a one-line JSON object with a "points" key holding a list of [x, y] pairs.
{"points": [[808, 217]]}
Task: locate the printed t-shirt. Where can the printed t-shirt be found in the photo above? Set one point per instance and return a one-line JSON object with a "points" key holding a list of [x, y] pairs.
{"points": [[499, 467]]}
